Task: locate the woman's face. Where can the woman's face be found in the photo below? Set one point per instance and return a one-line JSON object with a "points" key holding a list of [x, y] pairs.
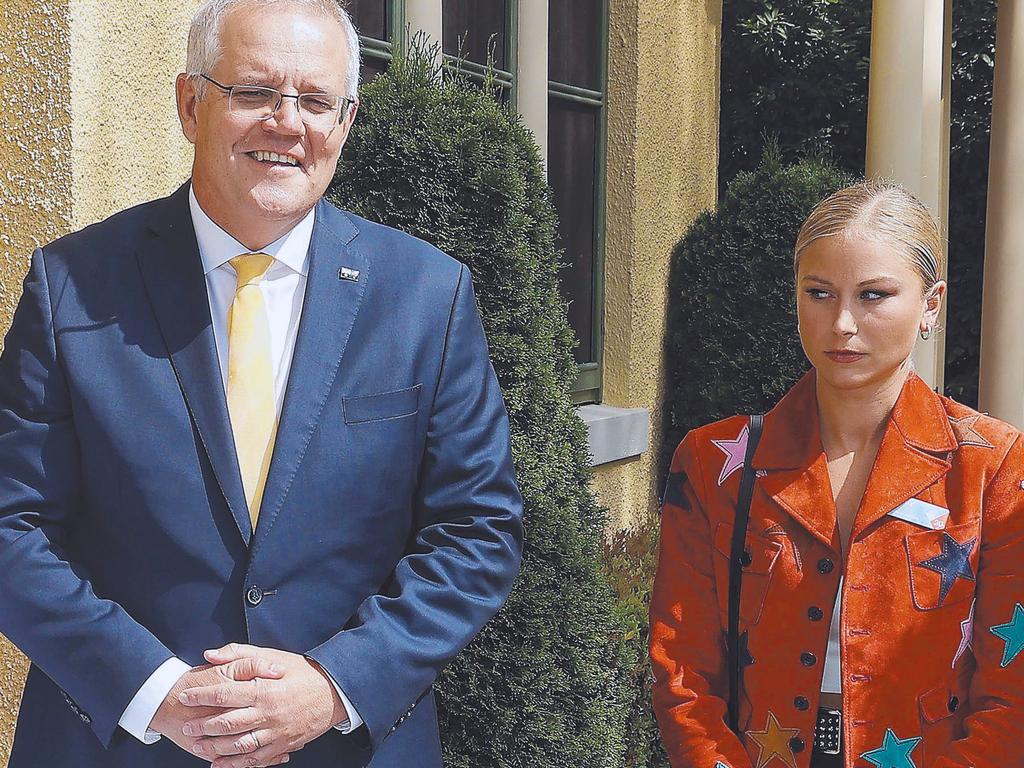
{"points": [[860, 306]]}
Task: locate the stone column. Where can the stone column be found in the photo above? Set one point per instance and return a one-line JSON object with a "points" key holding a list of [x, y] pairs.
{"points": [[1002, 319], [908, 120], [532, 70], [425, 16]]}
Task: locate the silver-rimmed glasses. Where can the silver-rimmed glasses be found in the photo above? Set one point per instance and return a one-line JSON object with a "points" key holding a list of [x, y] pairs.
{"points": [[258, 102]]}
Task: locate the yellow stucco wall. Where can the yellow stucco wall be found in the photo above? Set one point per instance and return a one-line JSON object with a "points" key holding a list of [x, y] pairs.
{"points": [[663, 79], [127, 145], [79, 139]]}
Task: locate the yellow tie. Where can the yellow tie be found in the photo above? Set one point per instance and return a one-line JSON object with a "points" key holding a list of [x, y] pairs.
{"points": [[251, 378]]}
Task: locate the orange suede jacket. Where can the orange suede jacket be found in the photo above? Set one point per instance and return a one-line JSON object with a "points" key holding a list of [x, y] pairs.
{"points": [[932, 626]]}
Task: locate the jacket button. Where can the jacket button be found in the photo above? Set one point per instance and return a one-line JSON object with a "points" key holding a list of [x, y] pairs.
{"points": [[825, 565], [808, 659], [801, 703], [814, 613], [254, 596], [796, 744], [746, 559], [954, 704]]}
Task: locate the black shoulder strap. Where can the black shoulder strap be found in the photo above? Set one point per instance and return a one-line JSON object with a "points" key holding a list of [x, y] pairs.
{"points": [[739, 537]]}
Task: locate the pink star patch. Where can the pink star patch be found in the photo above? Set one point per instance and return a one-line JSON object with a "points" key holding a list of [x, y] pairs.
{"points": [[735, 451], [966, 630]]}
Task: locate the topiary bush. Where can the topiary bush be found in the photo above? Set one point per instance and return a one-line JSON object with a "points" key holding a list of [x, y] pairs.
{"points": [[731, 344], [545, 682]]}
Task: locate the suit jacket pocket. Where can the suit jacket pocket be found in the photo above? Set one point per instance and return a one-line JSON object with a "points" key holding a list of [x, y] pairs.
{"points": [[382, 406], [942, 565], [756, 576], [942, 710]]}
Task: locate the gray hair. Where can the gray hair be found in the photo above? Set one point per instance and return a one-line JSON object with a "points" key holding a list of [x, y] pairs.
{"points": [[204, 48]]}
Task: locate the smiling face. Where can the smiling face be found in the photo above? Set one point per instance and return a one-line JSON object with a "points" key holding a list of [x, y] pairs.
{"points": [[860, 307], [257, 179]]}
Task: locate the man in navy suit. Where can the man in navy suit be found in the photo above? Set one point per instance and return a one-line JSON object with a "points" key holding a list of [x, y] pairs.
{"points": [[255, 477]]}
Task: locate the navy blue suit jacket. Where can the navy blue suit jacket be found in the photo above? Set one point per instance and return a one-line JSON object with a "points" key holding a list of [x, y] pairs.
{"points": [[390, 527]]}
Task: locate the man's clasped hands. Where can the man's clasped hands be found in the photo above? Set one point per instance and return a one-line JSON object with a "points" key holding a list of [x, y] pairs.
{"points": [[249, 707]]}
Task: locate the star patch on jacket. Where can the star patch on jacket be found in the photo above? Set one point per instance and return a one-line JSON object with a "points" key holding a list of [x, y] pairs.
{"points": [[965, 432], [1012, 633], [954, 563], [894, 752], [774, 741]]}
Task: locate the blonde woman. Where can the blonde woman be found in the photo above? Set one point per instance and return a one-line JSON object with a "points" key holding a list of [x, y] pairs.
{"points": [[881, 572]]}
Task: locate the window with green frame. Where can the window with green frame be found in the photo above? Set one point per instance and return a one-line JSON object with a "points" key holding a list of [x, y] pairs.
{"points": [[380, 24], [577, 63], [473, 31]]}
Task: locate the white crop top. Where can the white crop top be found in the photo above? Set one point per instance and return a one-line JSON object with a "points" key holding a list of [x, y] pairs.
{"points": [[832, 677]]}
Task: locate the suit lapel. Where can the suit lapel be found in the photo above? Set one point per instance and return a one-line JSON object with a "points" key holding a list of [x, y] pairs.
{"points": [[329, 310], [913, 455], [796, 470], [176, 287]]}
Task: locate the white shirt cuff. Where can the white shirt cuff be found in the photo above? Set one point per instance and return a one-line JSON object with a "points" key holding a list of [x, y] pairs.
{"points": [[354, 720], [143, 706]]}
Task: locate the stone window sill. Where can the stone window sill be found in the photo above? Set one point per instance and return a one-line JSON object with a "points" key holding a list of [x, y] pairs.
{"points": [[614, 433]]}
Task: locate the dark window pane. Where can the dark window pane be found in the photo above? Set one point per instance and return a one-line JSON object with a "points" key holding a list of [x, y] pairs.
{"points": [[476, 26], [371, 68], [574, 42], [572, 148], [371, 18]]}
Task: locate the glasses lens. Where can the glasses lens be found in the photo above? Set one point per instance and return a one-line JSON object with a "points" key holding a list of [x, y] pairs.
{"points": [[319, 109], [253, 101]]}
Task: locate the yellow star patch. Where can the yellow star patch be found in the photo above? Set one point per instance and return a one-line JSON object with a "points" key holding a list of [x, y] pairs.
{"points": [[773, 741], [965, 432]]}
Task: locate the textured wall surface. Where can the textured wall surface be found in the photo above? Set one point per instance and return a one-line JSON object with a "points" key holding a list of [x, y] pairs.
{"points": [[35, 194], [127, 145], [663, 76], [89, 127]]}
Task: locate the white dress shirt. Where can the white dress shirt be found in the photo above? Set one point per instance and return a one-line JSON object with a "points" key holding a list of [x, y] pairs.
{"points": [[283, 287]]}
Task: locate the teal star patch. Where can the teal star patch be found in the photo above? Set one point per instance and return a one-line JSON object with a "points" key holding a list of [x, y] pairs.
{"points": [[894, 752], [1013, 634]]}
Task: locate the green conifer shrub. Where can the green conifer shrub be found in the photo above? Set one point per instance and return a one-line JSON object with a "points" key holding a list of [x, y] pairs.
{"points": [[544, 684], [732, 345]]}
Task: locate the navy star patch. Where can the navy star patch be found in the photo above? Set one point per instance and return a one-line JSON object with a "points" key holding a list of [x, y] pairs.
{"points": [[952, 564], [674, 491]]}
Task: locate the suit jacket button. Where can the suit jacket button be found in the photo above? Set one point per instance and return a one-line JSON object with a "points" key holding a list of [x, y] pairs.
{"points": [[796, 744], [254, 596], [814, 613], [801, 703], [746, 559], [825, 566], [808, 659], [954, 704]]}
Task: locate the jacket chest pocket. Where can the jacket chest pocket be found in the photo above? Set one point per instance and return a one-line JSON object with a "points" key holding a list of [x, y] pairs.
{"points": [[942, 565], [760, 557], [384, 406]]}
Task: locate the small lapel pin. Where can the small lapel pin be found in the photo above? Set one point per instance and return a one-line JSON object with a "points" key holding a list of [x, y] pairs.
{"points": [[348, 274]]}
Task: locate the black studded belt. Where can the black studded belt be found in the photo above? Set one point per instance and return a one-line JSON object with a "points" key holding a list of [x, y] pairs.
{"points": [[828, 732]]}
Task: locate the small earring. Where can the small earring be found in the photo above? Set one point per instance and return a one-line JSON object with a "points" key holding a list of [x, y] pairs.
{"points": [[926, 333]]}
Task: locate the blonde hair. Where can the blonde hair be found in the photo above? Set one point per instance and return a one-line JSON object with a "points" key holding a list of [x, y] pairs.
{"points": [[882, 211]]}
